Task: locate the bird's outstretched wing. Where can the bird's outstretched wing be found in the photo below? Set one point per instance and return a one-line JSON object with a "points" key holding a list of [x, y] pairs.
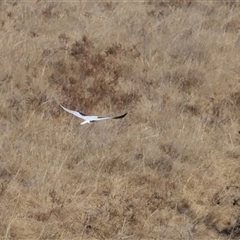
{"points": [[108, 118], [75, 113]]}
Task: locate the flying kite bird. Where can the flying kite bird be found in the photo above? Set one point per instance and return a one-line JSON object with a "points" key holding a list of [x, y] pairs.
{"points": [[89, 119]]}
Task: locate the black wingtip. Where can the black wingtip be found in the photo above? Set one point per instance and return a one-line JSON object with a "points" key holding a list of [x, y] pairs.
{"points": [[122, 116]]}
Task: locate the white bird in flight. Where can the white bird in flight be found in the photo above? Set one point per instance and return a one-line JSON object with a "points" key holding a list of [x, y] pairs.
{"points": [[89, 119]]}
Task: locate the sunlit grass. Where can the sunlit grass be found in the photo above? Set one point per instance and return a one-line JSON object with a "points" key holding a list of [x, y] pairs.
{"points": [[168, 170]]}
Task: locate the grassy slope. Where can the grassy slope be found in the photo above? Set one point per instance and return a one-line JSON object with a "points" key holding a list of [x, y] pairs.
{"points": [[169, 170]]}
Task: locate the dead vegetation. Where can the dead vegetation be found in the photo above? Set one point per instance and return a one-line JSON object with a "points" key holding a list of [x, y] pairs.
{"points": [[169, 170]]}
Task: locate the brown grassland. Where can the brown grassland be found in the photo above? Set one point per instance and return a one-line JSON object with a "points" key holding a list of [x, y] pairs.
{"points": [[169, 170]]}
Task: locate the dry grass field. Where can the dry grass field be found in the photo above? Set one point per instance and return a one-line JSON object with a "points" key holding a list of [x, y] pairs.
{"points": [[169, 170]]}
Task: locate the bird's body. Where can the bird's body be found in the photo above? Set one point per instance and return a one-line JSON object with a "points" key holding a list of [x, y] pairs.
{"points": [[89, 119]]}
